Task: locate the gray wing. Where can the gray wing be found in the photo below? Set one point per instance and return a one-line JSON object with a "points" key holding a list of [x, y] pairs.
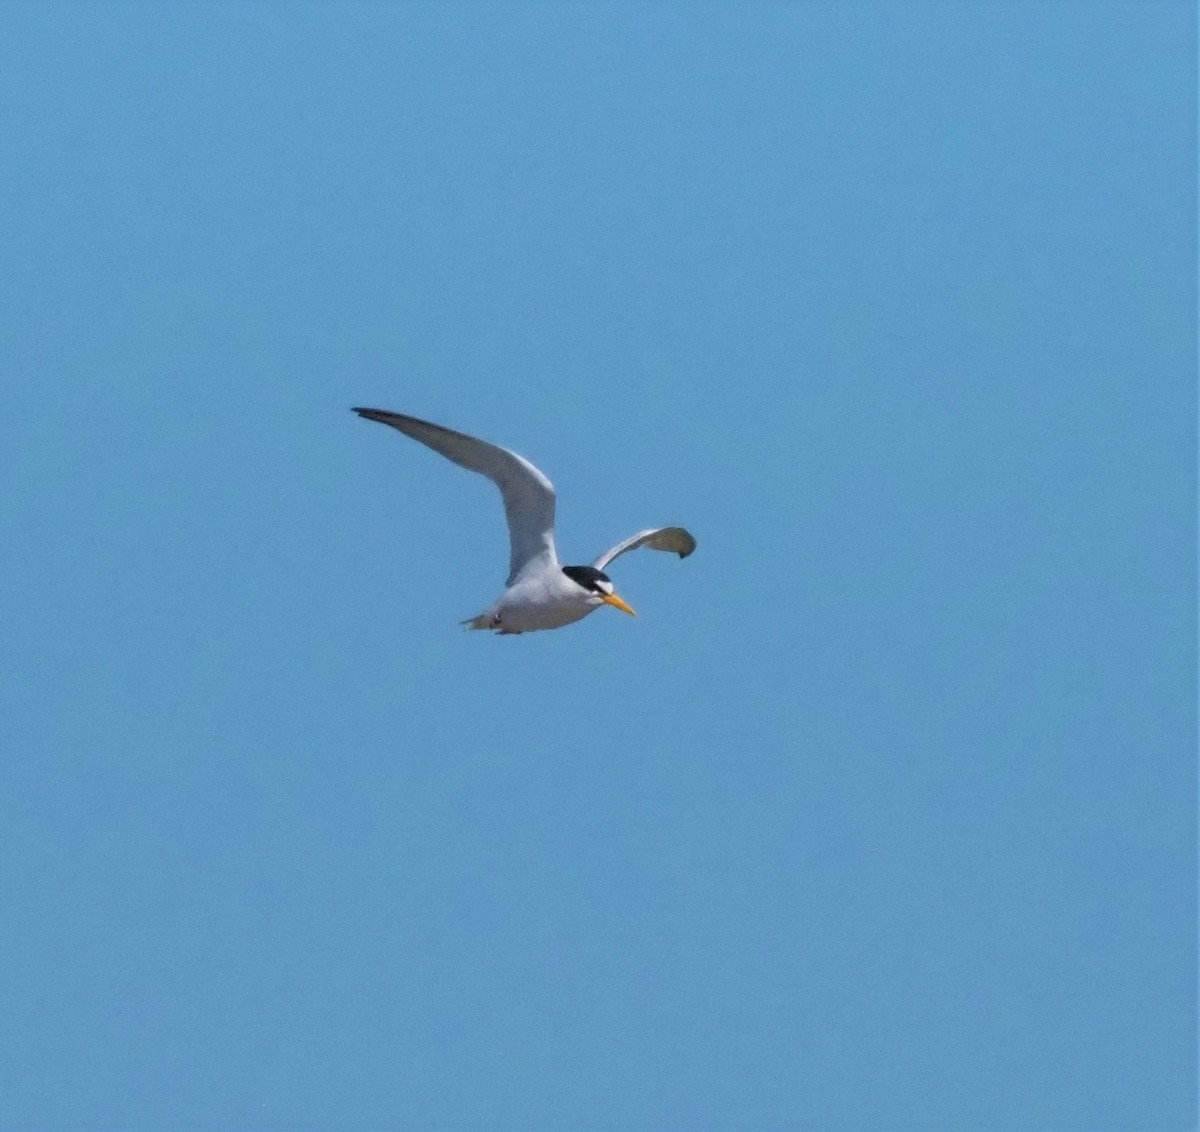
{"points": [[656, 538], [528, 495]]}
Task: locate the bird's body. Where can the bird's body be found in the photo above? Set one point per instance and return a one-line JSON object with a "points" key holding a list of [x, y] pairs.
{"points": [[541, 599], [540, 593]]}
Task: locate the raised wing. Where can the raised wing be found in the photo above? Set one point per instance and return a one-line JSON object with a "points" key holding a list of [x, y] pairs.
{"points": [[528, 495], [657, 538]]}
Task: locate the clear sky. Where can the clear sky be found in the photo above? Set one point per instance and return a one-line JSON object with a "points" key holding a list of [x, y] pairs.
{"points": [[882, 814]]}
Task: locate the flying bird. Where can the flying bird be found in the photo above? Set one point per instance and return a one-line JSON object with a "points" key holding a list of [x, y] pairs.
{"points": [[540, 592]]}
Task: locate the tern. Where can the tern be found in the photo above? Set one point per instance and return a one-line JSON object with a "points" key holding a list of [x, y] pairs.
{"points": [[540, 592]]}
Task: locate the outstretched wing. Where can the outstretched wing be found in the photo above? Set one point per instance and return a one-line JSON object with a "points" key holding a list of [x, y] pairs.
{"points": [[657, 538], [528, 495]]}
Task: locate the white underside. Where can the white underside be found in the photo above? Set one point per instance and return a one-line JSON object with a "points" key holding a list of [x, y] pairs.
{"points": [[538, 599]]}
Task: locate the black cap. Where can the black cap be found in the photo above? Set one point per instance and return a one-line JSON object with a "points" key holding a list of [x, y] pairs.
{"points": [[588, 577]]}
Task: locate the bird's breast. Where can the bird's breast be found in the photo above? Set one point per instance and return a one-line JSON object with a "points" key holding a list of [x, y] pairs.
{"points": [[542, 603]]}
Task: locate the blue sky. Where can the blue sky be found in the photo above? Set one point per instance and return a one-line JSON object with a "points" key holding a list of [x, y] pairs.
{"points": [[883, 811]]}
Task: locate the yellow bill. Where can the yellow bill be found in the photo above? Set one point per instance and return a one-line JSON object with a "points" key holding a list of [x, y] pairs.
{"points": [[612, 599]]}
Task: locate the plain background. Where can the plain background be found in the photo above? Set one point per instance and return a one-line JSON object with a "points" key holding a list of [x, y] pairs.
{"points": [[883, 812]]}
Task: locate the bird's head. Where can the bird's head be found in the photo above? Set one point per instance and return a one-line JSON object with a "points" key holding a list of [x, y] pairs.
{"points": [[597, 586]]}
